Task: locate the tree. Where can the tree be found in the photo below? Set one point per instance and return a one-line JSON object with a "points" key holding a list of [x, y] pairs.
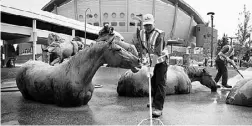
{"points": [[244, 28], [243, 33]]}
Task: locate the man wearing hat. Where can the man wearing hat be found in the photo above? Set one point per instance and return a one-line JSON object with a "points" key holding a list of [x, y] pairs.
{"points": [[153, 42], [225, 56]]}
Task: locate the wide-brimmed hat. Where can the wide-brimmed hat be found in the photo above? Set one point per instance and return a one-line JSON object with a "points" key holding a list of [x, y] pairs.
{"points": [[148, 19]]}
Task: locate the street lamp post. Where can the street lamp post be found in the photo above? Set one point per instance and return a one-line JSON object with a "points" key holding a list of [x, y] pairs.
{"points": [[86, 24], [211, 13]]}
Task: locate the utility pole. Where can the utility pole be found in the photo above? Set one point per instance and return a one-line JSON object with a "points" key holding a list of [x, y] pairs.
{"points": [[212, 14]]}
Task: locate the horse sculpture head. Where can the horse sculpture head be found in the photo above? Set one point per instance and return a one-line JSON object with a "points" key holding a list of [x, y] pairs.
{"points": [[207, 80], [116, 56], [54, 47], [107, 34], [54, 38], [201, 75]]}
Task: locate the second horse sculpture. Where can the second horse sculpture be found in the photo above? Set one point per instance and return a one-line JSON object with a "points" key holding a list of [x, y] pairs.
{"points": [[70, 83], [178, 81]]}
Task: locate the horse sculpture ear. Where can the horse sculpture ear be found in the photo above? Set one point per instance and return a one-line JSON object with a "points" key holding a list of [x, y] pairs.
{"points": [[111, 30], [206, 72]]}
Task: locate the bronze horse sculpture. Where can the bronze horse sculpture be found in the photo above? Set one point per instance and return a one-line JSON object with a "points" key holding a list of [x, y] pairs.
{"points": [[202, 75], [70, 83], [51, 56], [178, 81], [60, 49]]}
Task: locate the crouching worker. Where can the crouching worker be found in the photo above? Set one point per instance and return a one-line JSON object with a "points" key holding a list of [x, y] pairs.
{"points": [[153, 42]]}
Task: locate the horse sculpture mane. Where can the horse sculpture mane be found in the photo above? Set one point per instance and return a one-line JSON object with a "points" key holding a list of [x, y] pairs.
{"points": [[69, 83], [202, 75], [107, 34], [192, 71]]}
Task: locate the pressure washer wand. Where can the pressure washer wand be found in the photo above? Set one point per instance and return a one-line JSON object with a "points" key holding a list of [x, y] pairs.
{"points": [[238, 71], [149, 78], [232, 63]]}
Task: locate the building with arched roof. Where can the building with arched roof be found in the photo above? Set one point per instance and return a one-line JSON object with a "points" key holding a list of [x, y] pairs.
{"points": [[175, 17]]}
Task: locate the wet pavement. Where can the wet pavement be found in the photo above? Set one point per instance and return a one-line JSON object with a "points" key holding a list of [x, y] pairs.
{"points": [[201, 107]]}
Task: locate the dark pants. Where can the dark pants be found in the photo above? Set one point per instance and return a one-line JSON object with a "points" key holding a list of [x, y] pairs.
{"points": [[222, 71], [158, 85]]}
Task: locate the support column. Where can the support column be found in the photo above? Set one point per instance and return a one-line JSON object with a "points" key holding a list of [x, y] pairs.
{"points": [[174, 21], [34, 39], [75, 10], [73, 34], [5, 52], [56, 9], [189, 31], [127, 16], [100, 15]]}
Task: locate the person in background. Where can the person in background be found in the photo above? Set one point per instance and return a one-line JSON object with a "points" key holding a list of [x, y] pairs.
{"points": [[153, 42], [206, 61], [225, 56]]}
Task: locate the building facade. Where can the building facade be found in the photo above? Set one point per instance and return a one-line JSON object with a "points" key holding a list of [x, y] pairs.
{"points": [[175, 17]]}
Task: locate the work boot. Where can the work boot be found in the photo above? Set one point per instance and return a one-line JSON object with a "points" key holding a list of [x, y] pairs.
{"points": [[156, 112], [227, 86], [148, 105]]}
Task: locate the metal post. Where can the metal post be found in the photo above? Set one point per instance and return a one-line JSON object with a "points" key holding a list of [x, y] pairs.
{"points": [[211, 13], [127, 18], [34, 33], [174, 20], [153, 7], [76, 10], [86, 25]]}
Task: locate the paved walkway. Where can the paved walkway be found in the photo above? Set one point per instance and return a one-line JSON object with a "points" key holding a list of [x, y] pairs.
{"points": [[201, 107]]}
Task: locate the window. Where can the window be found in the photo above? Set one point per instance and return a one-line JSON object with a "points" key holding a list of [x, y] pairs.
{"points": [[132, 24], [95, 15], [122, 15], [96, 24], [80, 16], [132, 15], [113, 23], [121, 23], [138, 24], [89, 16], [105, 23], [105, 15], [114, 15]]}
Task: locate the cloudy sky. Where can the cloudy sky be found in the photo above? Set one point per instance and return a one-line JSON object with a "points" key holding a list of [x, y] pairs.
{"points": [[225, 18]]}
